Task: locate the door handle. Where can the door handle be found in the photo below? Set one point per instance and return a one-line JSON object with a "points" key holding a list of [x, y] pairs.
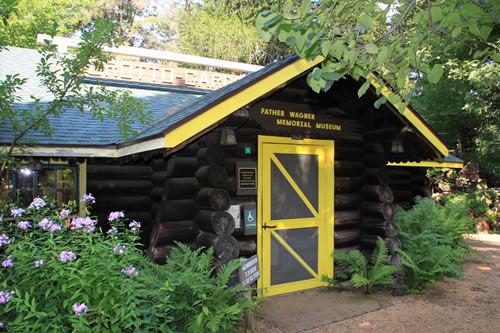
{"points": [[265, 226]]}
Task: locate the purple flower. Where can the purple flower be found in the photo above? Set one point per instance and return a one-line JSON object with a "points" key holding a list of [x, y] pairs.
{"points": [[24, 225], [64, 213], [135, 225], [112, 231], [88, 198], [17, 212], [130, 270], [119, 249], [4, 240], [8, 262], [37, 203], [39, 263], [5, 296], [79, 308], [47, 224], [67, 256], [115, 216], [86, 224]]}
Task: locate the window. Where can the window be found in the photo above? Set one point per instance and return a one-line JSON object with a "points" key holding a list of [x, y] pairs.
{"points": [[58, 182]]}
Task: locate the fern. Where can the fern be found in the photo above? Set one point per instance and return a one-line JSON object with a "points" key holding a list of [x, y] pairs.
{"points": [[365, 275]]}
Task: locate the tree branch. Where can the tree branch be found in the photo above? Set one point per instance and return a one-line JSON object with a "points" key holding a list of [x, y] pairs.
{"points": [[401, 19]]}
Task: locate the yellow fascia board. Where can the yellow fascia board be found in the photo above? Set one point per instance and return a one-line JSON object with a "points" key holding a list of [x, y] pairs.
{"points": [[412, 118], [235, 102], [429, 164]]}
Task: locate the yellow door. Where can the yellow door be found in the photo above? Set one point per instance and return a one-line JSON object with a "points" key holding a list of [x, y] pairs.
{"points": [[295, 228]]}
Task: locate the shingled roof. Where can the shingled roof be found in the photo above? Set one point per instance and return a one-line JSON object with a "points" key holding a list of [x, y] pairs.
{"points": [[74, 127]]}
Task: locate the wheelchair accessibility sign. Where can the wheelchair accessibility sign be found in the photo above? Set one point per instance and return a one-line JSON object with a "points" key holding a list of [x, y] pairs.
{"points": [[250, 214]]}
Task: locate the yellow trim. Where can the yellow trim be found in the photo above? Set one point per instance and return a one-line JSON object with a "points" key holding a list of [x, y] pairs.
{"points": [[294, 185], [324, 220], [293, 253], [429, 164], [233, 103], [82, 185], [412, 118]]}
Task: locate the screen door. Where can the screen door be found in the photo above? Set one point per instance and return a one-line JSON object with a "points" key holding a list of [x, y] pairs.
{"points": [[296, 221]]}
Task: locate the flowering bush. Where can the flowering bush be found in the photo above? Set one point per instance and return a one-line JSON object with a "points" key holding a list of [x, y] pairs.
{"points": [[60, 274]]}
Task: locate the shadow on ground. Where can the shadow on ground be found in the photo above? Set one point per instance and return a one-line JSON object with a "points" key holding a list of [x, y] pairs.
{"points": [[314, 308]]}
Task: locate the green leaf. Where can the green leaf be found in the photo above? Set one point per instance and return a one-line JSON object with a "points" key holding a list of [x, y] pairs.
{"points": [[300, 40], [264, 22], [383, 55], [379, 102], [456, 32], [316, 73], [332, 76], [437, 14], [364, 87], [325, 47], [484, 31], [304, 8], [366, 21], [496, 57], [371, 48], [435, 73], [283, 32]]}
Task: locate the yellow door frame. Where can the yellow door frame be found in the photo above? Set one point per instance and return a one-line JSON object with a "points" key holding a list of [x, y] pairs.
{"points": [[326, 213]]}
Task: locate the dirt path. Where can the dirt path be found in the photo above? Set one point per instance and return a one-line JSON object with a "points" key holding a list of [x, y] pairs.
{"points": [[471, 304]]}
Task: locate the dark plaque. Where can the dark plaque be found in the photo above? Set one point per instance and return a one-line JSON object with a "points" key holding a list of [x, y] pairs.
{"points": [[246, 173]]}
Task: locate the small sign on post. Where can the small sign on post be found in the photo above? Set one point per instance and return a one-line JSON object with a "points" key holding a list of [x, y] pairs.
{"points": [[249, 272]]}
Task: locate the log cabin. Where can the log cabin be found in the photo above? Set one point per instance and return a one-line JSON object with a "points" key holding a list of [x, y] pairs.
{"points": [[262, 165]]}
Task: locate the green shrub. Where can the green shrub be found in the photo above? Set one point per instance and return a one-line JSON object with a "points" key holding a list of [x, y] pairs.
{"points": [[433, 243], [59, 274], [367, 275]]}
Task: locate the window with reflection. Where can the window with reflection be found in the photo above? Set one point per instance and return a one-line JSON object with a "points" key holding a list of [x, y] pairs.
{"points": [[57, 182]]}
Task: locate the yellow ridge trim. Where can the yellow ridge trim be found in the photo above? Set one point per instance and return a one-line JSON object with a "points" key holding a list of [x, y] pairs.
{"points": [[294, 185], [293, 253], [233, 103], [429, 164]]}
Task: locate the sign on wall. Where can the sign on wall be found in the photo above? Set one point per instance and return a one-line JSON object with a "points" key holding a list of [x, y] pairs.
{"points": [[249, 272], [159, 74], [246, 177], [299, 119]]}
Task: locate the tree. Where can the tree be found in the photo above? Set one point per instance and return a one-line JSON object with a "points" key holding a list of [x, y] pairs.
{"points": [[62, 76], [382, 36]]}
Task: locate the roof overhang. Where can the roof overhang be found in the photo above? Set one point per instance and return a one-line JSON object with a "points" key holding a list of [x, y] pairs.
{"points": [[429, 164]]}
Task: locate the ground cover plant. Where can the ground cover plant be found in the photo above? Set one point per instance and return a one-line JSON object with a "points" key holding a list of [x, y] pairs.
{"points": [[365, 274], [60, 274], [433, 243]]}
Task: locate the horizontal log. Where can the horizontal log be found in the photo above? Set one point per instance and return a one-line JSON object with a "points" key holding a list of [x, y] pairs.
{"points": [[374, 161], [213, 198], [348, 168], [218, 223], [138, 172], [213, 155], [380, 135], [346, 217], [157, 193], [237, 118], [231, 185], [189, 150], [248, 134], [182, 166], [343, 238], [392, 243], [248, 246], [406, 205], [180, 188], [350, 141], [211, 138], [225, 246], [211, 176], [399, 173], [159, 164], [377, 193], [176, 210], [400, 184], [158, 178], [419, 180], [346, 249], [347, 200], [374, 148], [349, 153], [348, 184], [166, 233], [159, 254], [118, 186], [378, 209], [402, 196], [375, 176], [423, 191], [143, 216], [387, 230], [123, 202], [240, 150]]}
